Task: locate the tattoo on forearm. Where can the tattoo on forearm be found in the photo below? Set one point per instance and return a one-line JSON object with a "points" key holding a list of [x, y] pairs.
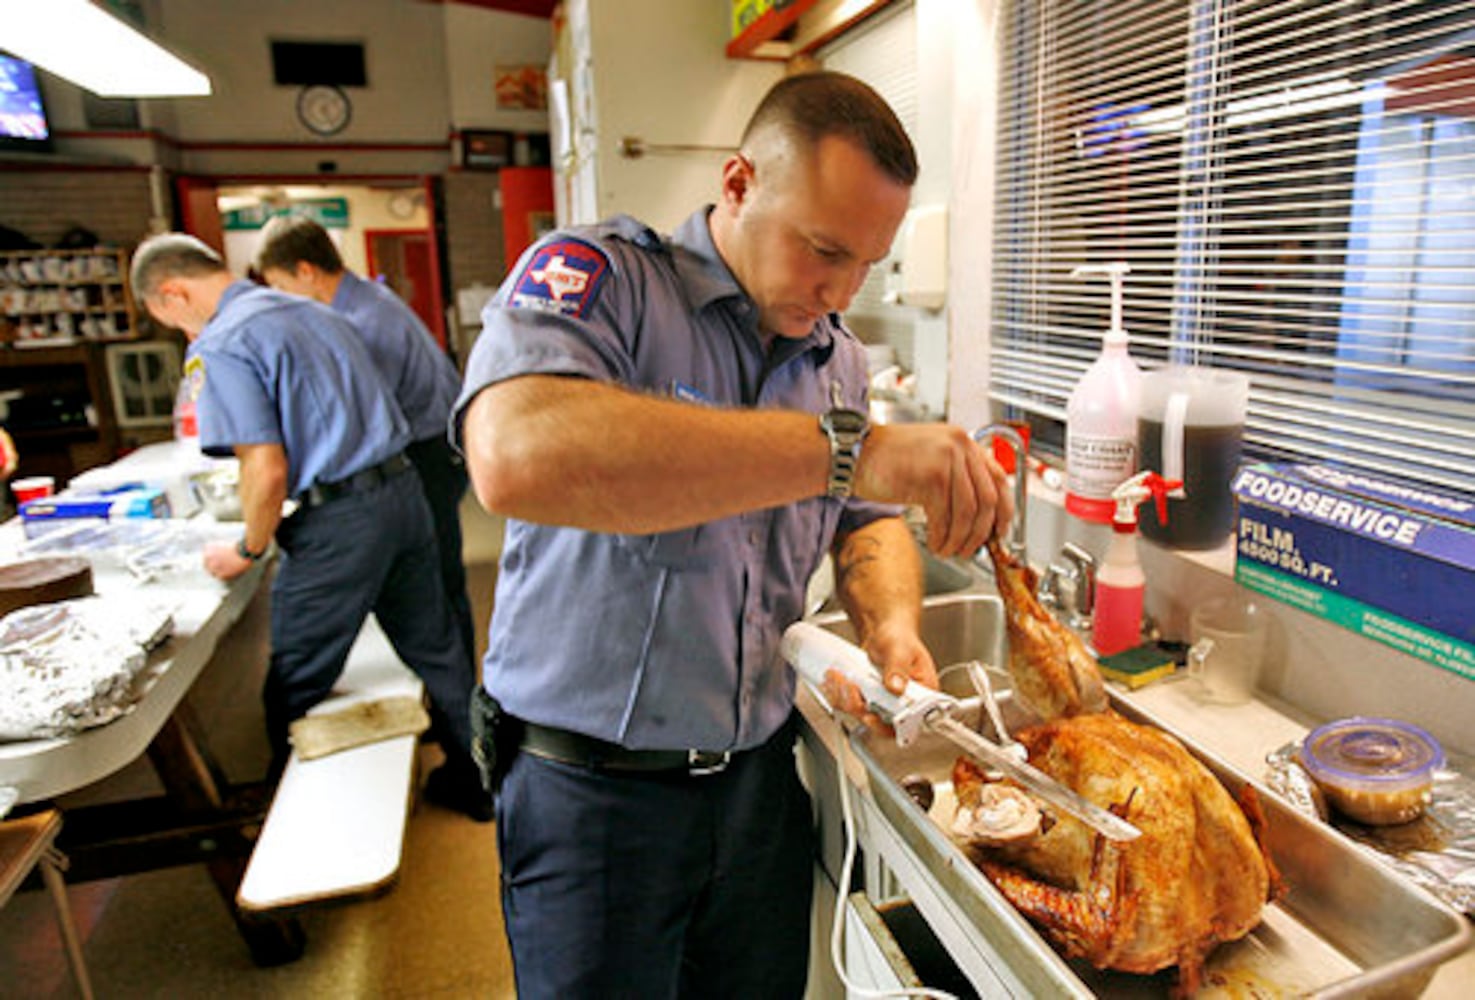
{"points": [[856, 554]]}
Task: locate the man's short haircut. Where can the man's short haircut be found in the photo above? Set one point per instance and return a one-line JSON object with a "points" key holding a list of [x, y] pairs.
{"points": [[811, 106], [289, 240], [171, 255]]}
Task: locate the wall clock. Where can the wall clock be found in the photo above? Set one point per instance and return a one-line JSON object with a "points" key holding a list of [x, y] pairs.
{"points": [[324, 109]]}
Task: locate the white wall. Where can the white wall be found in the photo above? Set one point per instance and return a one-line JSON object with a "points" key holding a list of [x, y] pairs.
{"points": [[963, 33], [477, 41], [660, 74], [429, 66], [406, 97]]}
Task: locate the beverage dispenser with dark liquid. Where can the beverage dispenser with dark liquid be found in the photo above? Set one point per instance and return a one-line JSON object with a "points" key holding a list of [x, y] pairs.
{"points": [[1191, 427]]}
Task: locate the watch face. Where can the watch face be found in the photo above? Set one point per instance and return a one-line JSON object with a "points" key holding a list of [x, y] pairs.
{"points": [[324, 109], [846, 421]]}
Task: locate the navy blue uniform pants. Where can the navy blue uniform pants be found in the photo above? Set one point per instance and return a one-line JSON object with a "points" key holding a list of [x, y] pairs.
{"points": [[372, 550], [443, 477], [618, 884]]}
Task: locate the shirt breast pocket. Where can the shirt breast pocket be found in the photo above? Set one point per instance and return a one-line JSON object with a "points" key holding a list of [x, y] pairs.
{"points": [[687, 548]]}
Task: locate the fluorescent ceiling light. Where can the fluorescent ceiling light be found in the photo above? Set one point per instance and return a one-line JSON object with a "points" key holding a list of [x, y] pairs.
{"points": [[82, 43]]}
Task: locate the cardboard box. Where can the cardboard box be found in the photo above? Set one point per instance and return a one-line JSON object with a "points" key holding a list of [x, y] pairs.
{"points": [[1388, 560], [109, 505]]}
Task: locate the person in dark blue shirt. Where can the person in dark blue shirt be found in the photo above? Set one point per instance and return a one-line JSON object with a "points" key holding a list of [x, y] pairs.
{"points": [[287, 386], [298, 255], [675, 429]]}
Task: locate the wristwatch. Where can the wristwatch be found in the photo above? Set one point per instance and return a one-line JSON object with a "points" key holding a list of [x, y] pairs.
{"points": [[246, 553], [846, 429]]}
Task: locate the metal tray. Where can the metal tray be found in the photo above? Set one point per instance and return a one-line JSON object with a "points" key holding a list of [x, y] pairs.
{"points": [[1346, 926]]}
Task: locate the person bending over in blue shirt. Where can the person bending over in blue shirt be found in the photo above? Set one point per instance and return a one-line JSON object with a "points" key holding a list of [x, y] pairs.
{"points": [[297, 255], [675, 429], [287, 386]]}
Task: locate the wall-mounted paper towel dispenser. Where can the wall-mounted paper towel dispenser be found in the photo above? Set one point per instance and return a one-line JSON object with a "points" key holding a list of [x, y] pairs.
{"points": [[917, 271]]}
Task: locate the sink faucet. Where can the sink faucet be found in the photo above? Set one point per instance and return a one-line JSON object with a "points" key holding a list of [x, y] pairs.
{"points": [[1071, 588], [1014, 543]]}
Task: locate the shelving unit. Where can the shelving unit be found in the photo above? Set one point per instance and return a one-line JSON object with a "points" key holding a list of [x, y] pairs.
{"points": [[58, 408], [53, 298], [59, 309]]}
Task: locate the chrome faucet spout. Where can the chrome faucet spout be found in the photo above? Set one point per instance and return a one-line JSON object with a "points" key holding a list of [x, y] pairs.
{"points": [[1014, 541]]}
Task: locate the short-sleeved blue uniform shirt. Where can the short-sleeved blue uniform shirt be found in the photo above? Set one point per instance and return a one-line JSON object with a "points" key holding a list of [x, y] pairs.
{"points": [[663, 641], [423, 380], [271, 368]]}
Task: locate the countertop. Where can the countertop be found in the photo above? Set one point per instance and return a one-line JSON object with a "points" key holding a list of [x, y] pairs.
{"points": [[1244, 735]]}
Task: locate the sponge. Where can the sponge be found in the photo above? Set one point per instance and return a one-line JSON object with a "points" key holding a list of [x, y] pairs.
{"points": [[1138, 666]]}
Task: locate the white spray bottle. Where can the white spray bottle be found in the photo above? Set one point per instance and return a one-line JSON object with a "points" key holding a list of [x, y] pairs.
{"points": [[1116, 623], [1101, 417]]}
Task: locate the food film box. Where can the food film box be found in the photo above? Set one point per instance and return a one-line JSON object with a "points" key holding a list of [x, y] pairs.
{"points": [[112, 505], [1388, 560]]}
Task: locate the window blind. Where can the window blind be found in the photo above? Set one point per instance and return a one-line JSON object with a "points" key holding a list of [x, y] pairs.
{"points": [[1292, 183]]}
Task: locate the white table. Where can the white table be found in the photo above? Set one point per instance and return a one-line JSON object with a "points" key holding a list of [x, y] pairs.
{"points": [[199, 819], [204, 609]]}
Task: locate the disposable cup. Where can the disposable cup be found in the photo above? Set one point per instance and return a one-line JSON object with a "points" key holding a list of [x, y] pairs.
{"points": [[1228, 649], [32, 488]]}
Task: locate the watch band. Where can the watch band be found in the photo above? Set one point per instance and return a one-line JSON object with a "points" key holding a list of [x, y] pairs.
{"points": [[846, 430], [843, 461], [246, 553]]}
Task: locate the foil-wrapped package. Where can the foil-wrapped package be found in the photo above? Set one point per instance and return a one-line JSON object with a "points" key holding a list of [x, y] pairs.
{"points": [[67, 666], [1435, 851]]}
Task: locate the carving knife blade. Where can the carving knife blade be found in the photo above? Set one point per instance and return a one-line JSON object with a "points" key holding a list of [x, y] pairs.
{"points": [[1035, 781]]}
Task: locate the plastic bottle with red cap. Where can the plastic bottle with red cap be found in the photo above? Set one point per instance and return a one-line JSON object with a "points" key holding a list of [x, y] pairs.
{"points": [[1120, 583], [1101, 415]]}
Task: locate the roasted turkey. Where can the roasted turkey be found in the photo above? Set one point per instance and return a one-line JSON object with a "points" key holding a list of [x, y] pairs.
{"points": [[1196, 877]]}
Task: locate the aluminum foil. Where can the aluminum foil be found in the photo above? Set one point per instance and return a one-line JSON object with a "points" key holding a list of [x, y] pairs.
{"points": [[1435, 851], [71, 665], [148, 548]]}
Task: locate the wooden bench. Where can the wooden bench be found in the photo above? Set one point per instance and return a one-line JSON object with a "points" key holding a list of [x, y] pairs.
{"points": [[336, 826]]}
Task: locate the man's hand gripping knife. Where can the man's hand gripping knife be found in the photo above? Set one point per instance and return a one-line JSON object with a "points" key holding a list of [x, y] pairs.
{"points": [[852, 684]]}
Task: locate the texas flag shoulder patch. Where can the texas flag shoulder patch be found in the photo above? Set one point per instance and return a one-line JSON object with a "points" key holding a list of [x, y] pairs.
{"points": [[562, 277]]}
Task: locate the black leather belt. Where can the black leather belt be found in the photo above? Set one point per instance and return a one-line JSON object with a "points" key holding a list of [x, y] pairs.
{"points": [[365, 479], [576, 748]]}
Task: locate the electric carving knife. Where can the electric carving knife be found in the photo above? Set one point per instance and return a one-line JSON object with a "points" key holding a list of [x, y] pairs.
{"points": [[814, 652]]}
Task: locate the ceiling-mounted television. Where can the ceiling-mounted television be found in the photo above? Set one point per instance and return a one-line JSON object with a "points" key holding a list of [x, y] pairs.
{"points": [[23, 122]]}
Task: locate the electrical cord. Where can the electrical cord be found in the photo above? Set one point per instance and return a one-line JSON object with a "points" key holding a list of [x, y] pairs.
{"points": [[837, 931]]}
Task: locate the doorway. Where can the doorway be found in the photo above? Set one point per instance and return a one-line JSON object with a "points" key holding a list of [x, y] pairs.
{"points": [[384, 230], [404, 260]]}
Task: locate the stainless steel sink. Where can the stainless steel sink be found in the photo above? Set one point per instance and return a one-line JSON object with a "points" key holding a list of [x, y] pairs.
{"points": [[939, 576], [1347, 926], [946, 576], [956, 627]]}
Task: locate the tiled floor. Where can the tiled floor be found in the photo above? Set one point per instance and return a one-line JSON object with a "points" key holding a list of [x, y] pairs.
{"points": [[437, 933]]}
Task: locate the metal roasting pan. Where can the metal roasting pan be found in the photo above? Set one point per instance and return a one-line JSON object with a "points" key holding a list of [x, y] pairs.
{"points": [[1346, 926]]}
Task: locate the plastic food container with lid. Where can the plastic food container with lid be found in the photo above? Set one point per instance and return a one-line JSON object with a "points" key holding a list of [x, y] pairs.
{"points": [[1375, 771]]}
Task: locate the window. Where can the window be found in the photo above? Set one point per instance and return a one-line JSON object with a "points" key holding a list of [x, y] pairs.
{"points": [[1293, 185]]}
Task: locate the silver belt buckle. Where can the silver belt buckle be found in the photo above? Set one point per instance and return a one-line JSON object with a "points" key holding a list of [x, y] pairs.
{"points": [[700, 762]]}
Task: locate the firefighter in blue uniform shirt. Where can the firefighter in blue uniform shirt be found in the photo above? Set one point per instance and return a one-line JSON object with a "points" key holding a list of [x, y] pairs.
{"points": [[297, 255], [675, 430], [286, 386]]}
